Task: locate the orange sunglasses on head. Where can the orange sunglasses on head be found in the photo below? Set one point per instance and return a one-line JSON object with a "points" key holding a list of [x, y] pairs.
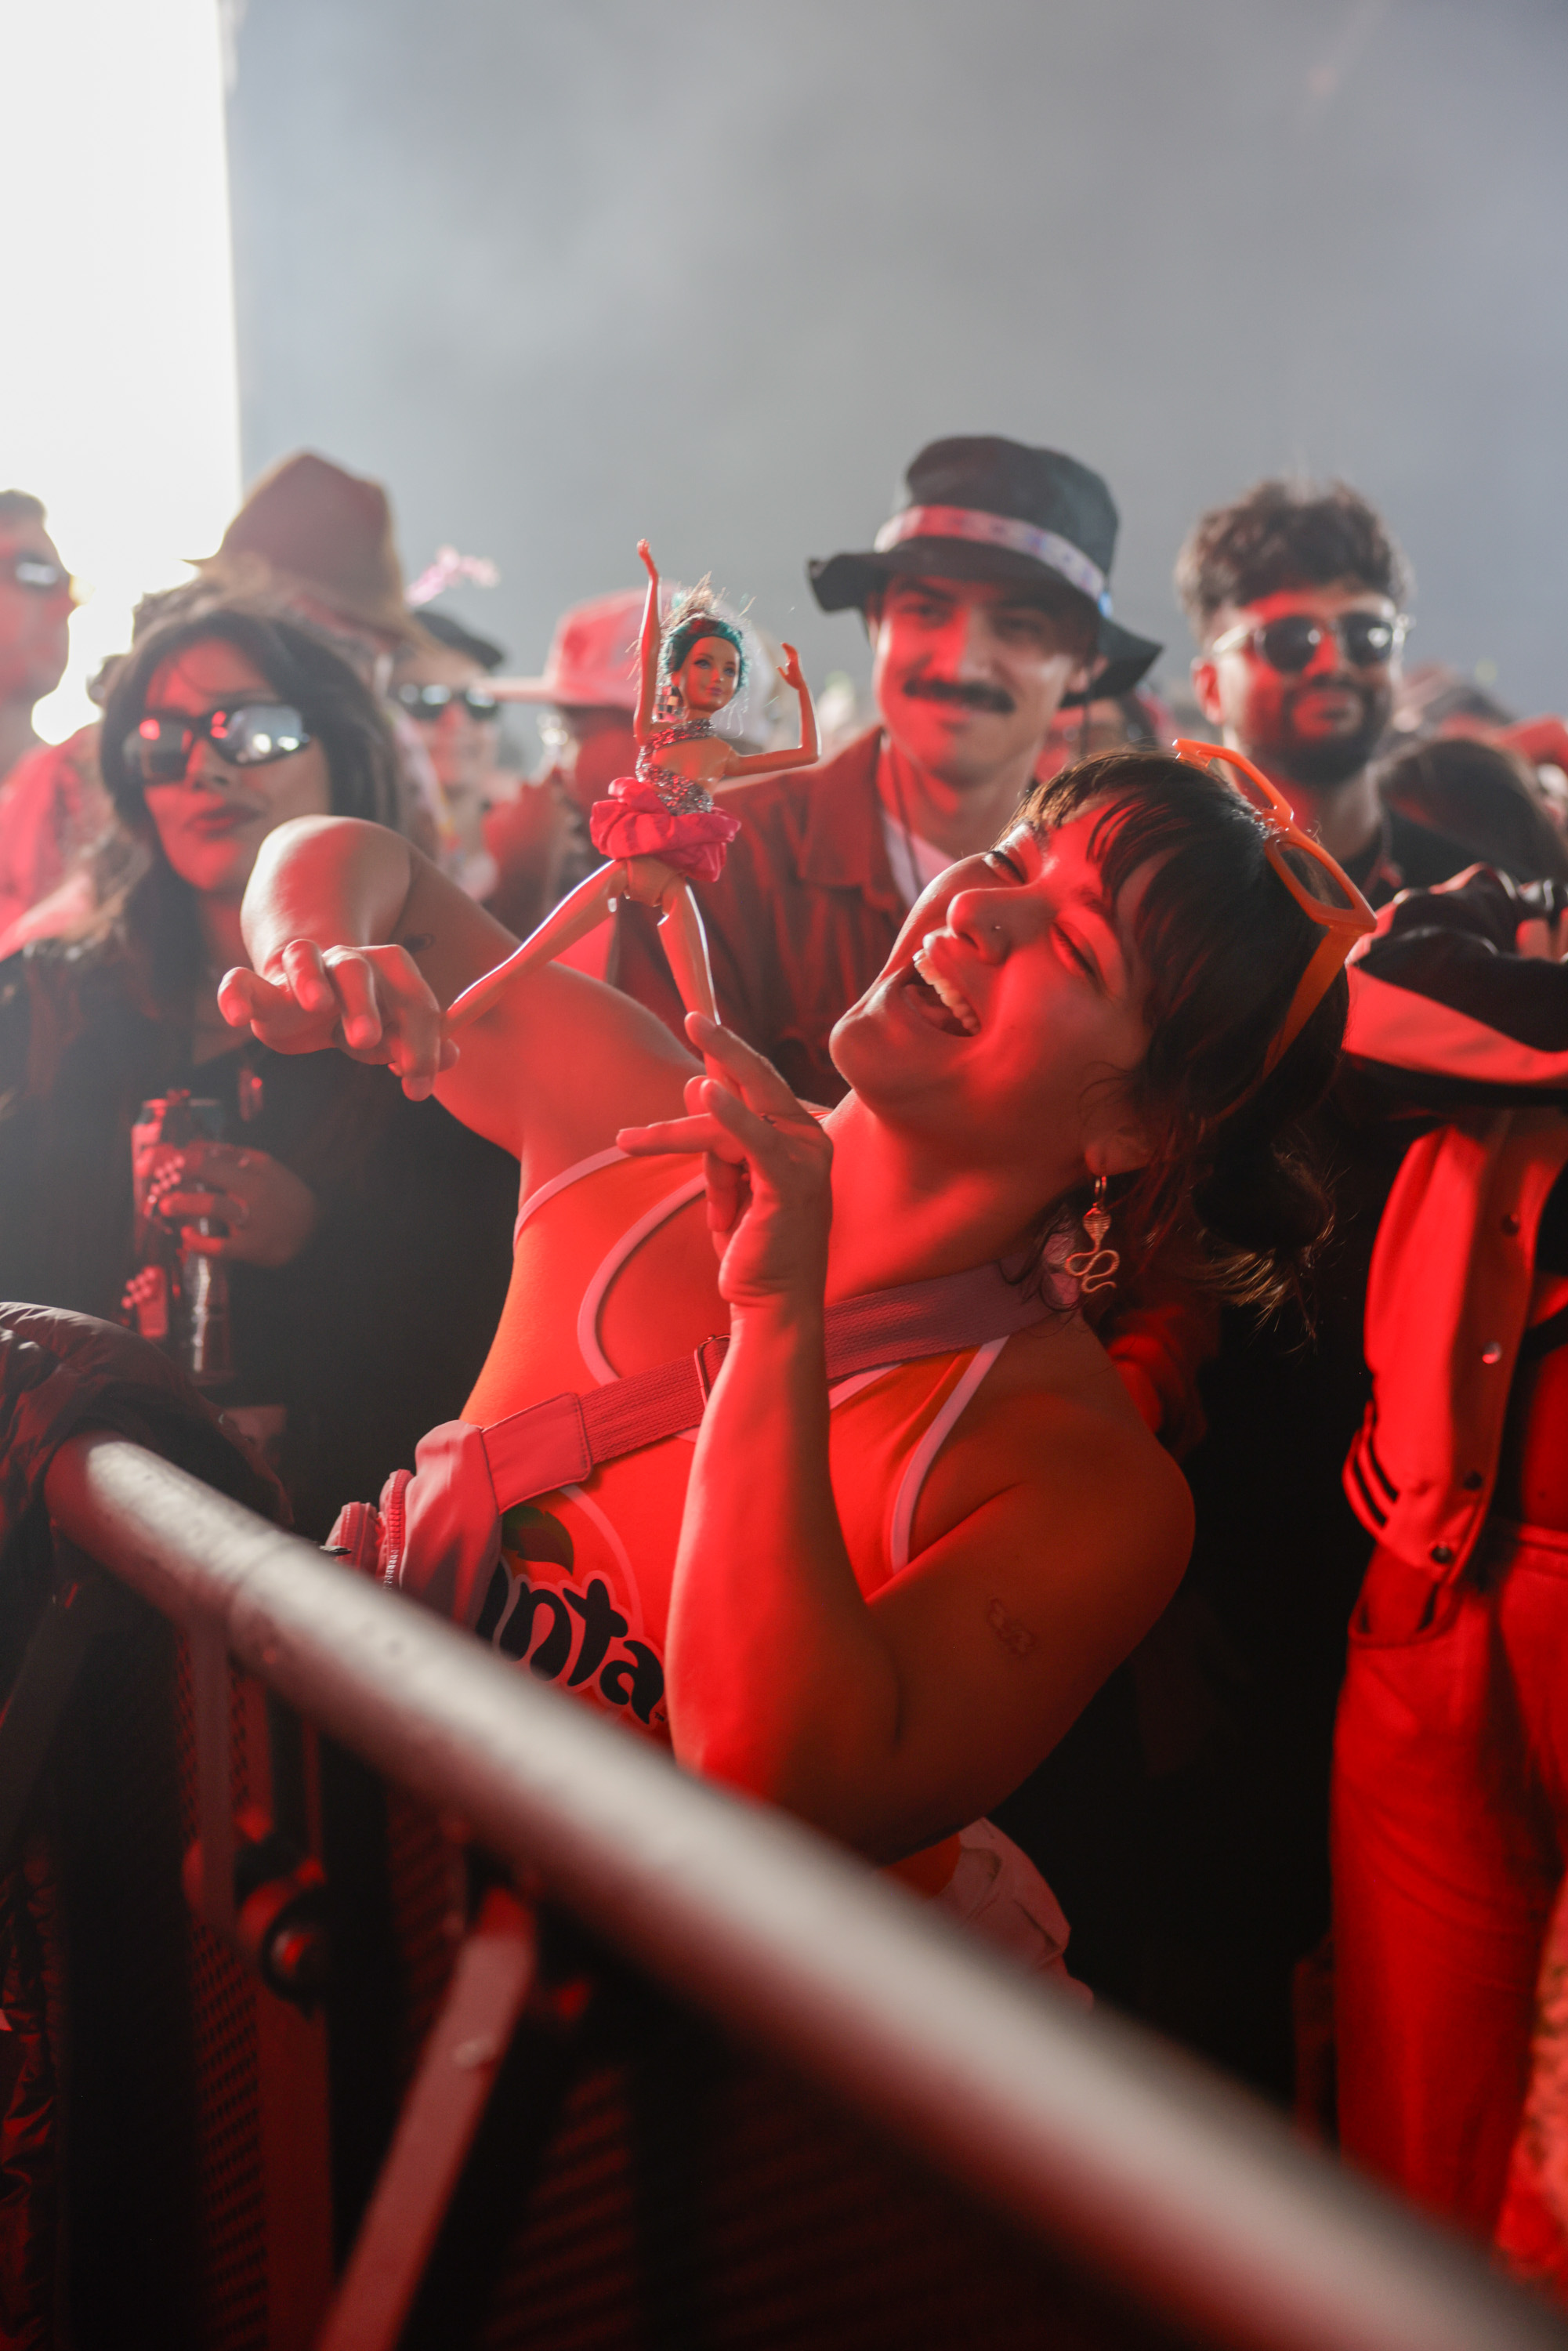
{"points": [[1343, 918]]}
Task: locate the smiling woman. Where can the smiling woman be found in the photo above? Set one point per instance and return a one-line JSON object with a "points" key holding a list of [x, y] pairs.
{"points": [[921, 1521]]}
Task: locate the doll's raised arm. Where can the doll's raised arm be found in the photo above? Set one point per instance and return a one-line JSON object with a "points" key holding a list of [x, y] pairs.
{"points": [[767, 763], [651, 644]]}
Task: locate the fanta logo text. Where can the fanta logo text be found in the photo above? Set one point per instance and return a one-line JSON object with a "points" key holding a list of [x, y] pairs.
{"points": [[575, 1630]]}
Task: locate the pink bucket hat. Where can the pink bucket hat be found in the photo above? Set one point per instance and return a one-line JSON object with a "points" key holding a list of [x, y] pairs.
{"points": [[593, 659]]}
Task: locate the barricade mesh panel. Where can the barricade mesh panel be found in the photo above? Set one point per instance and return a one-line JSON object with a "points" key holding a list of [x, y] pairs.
{"points": [[427, 1881], [766, 2222], [232, 2210], [572, 2276], [637, 2182], [655, 2189], [128, 2125]]}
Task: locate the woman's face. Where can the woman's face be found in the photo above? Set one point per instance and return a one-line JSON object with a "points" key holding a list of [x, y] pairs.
{"points": [[708, 676], [1010, 1017], [213, 822]]}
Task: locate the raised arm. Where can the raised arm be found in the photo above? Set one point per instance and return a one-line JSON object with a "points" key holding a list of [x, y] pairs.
{"points": [[357, 941], [767, 763], [652, 640]]}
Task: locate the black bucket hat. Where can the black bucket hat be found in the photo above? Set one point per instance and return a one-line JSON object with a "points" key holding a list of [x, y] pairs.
{"points": [[980, 507]]}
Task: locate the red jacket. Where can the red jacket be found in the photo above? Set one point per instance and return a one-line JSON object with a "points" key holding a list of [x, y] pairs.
{"points": [[1446, 1013]]}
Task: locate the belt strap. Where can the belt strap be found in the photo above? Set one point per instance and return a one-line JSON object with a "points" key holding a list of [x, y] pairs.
{"points": [[561, 1441]]}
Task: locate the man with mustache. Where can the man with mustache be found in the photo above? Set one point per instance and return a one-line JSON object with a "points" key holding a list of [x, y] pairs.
{"points": [[988, 605], [1294, 595]]}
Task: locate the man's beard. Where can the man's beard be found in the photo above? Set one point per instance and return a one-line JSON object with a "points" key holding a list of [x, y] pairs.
{"points": [[1324, 761]]}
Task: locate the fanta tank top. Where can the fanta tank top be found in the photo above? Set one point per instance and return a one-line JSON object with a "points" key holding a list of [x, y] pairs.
{"points": [[582, 1589]]}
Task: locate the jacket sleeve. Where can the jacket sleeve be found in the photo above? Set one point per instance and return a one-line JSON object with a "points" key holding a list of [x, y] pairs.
{"points": [[1444, 1009]]}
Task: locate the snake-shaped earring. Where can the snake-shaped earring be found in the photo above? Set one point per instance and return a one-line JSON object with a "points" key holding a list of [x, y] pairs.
{"points": [[1095, 1267]]}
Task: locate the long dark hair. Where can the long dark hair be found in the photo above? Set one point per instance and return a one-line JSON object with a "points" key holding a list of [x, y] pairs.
{"points": [[153, 910], [1231, 1192]]}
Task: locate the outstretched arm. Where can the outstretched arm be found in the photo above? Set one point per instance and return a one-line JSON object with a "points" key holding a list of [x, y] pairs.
{"points": [[651, 640], [357, 941], [767, 763]]}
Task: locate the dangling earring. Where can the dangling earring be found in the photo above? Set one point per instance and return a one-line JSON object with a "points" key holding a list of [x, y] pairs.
{"points": [[1095, 1267]]}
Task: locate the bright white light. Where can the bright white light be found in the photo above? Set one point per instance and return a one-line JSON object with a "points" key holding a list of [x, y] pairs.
{"points": [[119, 392]]}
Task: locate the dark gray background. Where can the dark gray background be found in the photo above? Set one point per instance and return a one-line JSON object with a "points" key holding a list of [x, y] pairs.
{"points": [[564, 274]]}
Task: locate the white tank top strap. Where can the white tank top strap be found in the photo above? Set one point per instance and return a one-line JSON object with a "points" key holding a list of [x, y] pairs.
{"points": [[902, 1519], [544, 1192], [593, 1296]]}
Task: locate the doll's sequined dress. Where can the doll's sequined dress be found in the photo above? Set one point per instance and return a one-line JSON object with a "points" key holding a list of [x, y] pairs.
{"points": [[658, 812]]}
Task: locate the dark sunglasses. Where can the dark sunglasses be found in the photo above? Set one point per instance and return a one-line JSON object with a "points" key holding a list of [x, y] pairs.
{"points": [[36, 574], [250, 734], [1289, 644], [429, 701]]}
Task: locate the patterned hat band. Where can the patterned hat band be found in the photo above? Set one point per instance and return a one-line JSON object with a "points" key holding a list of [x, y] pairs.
{"points": [[1047, 547]]}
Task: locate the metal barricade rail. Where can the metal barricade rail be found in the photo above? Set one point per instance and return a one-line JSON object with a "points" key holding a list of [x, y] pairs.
{"points": [[1091, 2136]]}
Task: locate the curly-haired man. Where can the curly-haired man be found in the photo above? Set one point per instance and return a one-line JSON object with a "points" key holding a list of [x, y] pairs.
{"points": [[1295, 596]]}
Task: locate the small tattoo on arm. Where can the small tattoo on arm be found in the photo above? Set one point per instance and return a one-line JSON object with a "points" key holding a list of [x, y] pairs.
{"points": [[1016, 1638], [417, 941]]}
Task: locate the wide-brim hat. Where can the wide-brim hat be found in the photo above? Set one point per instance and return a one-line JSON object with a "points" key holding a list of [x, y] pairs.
{"points": [[981, 507], [310, 529], [593, 663]]}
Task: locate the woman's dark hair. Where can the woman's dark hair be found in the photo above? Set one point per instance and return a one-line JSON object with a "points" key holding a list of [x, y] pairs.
{"points": [[156, 912], [1483, 797], [1230, 1192], [690, 629]]}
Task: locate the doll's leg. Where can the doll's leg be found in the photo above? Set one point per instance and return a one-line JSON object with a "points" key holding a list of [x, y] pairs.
{"points": [[583, 910], [684, 943]]}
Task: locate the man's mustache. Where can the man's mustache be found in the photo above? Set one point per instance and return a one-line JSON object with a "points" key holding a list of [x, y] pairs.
{"points": [[968, 696]]}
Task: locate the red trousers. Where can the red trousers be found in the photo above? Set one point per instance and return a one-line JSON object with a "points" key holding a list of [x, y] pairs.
{"points": [[1450, 1825]]}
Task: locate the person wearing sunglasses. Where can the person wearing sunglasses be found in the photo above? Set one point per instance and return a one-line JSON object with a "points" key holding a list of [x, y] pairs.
{"points": [[507, 838], [1296, 597], [336, 1221]]}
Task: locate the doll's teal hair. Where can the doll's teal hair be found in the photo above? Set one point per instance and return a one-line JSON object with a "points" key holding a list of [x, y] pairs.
{"points": [[690, 623]]}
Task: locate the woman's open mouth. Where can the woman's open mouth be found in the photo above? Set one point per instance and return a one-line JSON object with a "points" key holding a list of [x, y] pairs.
{"points": [[945, 1006]]}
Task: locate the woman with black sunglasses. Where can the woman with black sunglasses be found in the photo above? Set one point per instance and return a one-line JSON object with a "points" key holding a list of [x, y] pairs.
{"points": [[327, 1205]]}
